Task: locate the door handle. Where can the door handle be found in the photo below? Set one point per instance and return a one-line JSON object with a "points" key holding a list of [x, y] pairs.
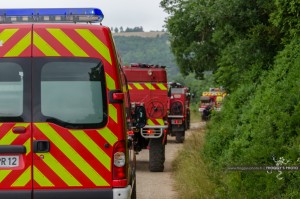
{"points": [[12, 149], [41, 146]]}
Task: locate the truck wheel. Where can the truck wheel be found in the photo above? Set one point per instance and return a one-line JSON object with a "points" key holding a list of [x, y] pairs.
{"points": [[180, 136], [156, 155]]}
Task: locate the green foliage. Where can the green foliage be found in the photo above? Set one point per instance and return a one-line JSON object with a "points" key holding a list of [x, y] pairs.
{"points": [[257, 124], [256, 57]]}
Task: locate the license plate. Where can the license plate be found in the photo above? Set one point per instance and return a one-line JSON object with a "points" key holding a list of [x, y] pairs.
{"points": [[9, 161]]}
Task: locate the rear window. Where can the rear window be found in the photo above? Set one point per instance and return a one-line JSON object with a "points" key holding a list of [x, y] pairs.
{"points": [[72, 93], [14, 90], [11, 88]]}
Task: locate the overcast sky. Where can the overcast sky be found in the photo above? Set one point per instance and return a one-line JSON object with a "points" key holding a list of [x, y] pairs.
{"points": [[117, 13]]}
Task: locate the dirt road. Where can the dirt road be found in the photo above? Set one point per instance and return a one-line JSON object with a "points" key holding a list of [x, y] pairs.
{"points": [[158, 185]]}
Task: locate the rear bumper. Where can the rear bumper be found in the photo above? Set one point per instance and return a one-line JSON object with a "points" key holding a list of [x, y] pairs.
{"points": [[122, 193], [115, 193]]}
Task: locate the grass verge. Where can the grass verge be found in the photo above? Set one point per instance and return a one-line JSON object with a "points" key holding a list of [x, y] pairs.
{"points": [[191, 174]]}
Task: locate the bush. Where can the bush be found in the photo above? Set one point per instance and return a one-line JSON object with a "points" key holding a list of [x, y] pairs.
{"points": [[258, 125]]}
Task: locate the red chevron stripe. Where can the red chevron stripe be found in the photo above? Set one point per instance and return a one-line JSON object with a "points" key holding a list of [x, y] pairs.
{"points": [[66, 163], [14, 39], [82, 151], [5, 128], [52, 41]]}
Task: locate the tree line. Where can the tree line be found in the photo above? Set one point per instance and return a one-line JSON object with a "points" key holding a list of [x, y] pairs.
{"points": [[253, 49], [121, 29]]}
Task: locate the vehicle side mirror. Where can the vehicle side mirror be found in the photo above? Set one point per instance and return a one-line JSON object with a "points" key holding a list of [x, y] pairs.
{"points": [[140, 116]]}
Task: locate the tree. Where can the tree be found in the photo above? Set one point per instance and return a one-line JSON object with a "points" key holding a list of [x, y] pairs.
{"points": [[116, 30]]}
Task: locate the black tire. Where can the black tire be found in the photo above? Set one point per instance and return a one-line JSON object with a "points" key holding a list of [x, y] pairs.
{"points": [[156, 155], [133, 194], [180, 136]]}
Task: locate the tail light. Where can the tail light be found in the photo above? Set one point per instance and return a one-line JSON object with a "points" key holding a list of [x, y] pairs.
{"points": [[120, 165]]}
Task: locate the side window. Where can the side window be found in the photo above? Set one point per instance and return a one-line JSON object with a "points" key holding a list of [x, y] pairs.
{"points": [[73, 93], [11, 89]]}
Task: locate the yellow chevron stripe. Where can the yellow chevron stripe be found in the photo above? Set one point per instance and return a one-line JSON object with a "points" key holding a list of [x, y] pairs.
{"points": [[10, 136], [20, 46], [129, 87], [150, 86], [96, 43], [59, 169], [138, 86], [67, 42], [108, 135], [162, 86], [150, 122], [91, 146], [27, 144], [4, 174], [160, 121], [113, 113], [41, 179], [110, 82], [23, 179], [72, 154], [43, 46], [6, 34]]}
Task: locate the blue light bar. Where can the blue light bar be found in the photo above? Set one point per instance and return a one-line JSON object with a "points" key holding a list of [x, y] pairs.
{"points": [[90, 15]]}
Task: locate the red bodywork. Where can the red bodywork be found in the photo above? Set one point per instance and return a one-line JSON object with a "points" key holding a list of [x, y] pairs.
{"points": [[56, 158], [148, 87], [179, 115]]}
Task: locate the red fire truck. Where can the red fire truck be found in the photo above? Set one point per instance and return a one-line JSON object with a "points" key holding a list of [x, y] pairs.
{"points": [[211, 101], [179, 114], [148, 92]]}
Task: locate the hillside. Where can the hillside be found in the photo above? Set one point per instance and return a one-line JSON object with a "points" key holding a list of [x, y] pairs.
{"points": [[146, 47], [152, 34]]}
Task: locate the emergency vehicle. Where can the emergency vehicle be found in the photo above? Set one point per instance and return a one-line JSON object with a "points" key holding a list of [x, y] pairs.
{"points": [[179, 114], [211, 101], [63, 131], [148, 93]]}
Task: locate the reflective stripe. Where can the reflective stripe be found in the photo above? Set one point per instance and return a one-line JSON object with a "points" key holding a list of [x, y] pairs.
{"points": [[60, 170], [150, 86], [161, 86], [4, 174], [6, 34], [72, 155], [129, 87], [150, 122], [41, 179], [95, 43], [113, 113], [67, 42], [10, 136], [20, 46], [23, 179], [138, 86], [157, 122], [27, 144], [110, 82], [92, 147], [108, 135], [43, 46], [160, 121]]}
